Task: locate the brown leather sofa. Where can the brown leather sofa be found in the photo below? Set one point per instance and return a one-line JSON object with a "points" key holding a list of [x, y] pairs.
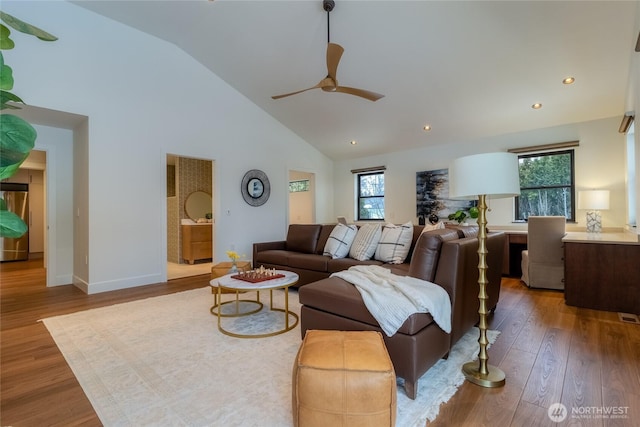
{"points": [[439, 256], [302, 250]]}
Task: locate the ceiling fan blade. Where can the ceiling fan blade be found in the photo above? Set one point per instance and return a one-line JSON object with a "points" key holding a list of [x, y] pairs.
{"points": [[371, 96], [324, 84], [334, 53], [294, 93]]}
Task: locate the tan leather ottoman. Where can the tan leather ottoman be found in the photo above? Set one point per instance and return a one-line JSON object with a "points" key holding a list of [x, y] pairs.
{"points": [[343, 378]]}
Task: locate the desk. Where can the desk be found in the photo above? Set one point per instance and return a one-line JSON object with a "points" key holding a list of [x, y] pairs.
{"points": [[514, 243], [602, 271]]}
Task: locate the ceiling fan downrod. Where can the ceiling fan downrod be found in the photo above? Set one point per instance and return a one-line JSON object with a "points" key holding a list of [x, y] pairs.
{"points": [[328, 5]]}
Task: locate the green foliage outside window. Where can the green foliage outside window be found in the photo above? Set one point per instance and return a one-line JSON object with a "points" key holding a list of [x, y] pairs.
{"points": [[546, 185], [298, 186], [371, 196]]}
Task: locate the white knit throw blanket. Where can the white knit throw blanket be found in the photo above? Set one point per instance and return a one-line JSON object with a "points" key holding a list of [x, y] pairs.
{"points": [[391, 299]]}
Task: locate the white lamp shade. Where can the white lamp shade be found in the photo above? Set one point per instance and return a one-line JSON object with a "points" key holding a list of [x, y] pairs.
{"points": [[492, 174], [593, 199]]}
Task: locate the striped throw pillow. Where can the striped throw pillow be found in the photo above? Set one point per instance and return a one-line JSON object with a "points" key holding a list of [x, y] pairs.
{"points": [[395, 243], [366, 241], [340, 240]]}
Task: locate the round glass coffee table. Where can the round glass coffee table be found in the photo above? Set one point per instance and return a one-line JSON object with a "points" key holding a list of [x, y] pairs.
{"points": [[227, 284]]}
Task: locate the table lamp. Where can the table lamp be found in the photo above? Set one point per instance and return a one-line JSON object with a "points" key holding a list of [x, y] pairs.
{"points": [[483, 176], [594, 201]]}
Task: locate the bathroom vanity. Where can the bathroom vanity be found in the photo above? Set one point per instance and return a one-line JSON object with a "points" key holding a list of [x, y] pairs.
{"points": [[196, 242]]}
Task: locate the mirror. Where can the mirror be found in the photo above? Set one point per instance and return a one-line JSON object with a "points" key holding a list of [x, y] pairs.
{"points": [[198, 205], [255, 187]]}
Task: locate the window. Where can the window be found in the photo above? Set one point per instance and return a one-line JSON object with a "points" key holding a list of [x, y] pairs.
{"points": [[371, 196], [297, 186], [546, 185]]}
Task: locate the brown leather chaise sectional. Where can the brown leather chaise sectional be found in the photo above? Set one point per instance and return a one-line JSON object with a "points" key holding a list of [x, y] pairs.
{"points": [[444, 257]]}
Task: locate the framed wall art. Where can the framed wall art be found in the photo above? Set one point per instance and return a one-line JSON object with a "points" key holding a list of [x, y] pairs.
{"points": [[432, 196]]}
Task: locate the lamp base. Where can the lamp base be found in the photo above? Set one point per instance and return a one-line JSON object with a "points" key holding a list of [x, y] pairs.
{"points": [[494, 377], [594, 222]]}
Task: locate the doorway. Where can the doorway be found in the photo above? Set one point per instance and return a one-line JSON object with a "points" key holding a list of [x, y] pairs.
{"points": [[302, 196], [190, 224], [31, 175]]}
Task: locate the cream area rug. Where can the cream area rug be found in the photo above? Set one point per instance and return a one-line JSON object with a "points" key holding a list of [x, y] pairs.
{"points": [[162, 362]]}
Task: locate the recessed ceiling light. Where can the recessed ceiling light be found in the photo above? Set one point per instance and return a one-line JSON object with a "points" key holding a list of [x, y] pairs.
{"points": [[536, 106], [427, 128], [568, 80], [354, 142]]}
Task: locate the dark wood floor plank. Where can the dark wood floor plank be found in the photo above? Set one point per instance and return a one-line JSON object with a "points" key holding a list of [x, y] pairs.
{"points": [[582, 382], [530, 415], [497, 406], [623, 408], [545, 383], [533, 331], [620, 364]]}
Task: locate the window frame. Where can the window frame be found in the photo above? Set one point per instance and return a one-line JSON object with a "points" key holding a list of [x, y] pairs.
{"points": [[359, 195], [572, 186]]}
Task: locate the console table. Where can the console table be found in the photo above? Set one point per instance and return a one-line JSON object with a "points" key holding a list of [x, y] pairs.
{"points": [[602, 271]]}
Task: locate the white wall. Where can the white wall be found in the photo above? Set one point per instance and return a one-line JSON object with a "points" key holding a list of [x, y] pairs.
{"points": [[58, 144], [599, 164], [141, 107]]}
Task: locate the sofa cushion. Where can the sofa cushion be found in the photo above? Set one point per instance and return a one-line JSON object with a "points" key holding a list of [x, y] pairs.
{"points": [[340, 240], [274, 256], [427, 252], [464, 230], [303, 237], [394, 243], [340, 264], [308, 261], [366, 241], [341, 298]]}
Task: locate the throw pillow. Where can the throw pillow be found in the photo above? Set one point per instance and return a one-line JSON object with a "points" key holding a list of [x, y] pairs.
{"points": [[340, 240], [437, 226], [395, 243], [366, 241]]}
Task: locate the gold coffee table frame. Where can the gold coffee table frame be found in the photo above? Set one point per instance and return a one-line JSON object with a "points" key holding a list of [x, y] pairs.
{"points": [[226, 283]]}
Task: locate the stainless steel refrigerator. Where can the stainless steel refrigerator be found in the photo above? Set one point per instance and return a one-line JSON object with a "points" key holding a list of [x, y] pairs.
{"points": [[16, 196]]}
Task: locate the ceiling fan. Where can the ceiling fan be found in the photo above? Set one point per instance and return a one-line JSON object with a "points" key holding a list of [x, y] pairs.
{"points": [[330, 83]]}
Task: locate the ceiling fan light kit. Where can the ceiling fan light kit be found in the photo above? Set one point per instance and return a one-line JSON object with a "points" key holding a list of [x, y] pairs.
{"points": [[330, 82]]}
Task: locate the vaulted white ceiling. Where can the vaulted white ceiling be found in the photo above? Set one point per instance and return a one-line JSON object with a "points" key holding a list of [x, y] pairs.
{"points": [[471, 69]]}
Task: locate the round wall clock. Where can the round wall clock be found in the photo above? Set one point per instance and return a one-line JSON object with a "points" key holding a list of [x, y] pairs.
{"points": [[255, 187]]}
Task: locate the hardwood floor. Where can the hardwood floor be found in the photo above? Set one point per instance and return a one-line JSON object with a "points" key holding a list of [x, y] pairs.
{"points": [[37, 387], [551, 353]]}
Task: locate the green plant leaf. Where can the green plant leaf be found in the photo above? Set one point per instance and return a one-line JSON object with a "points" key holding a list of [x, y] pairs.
{"points": [[6, 97], [23, 27], [3, 204], [6, 77], [11, 225], [17, 139], [474, 212], [5, 41]]}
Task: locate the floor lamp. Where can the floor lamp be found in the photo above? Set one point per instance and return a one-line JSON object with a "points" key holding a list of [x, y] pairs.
{"points": [[482, 177]]}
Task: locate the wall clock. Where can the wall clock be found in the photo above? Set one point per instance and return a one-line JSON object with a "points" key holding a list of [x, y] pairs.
{"points": [[255, 187]]}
